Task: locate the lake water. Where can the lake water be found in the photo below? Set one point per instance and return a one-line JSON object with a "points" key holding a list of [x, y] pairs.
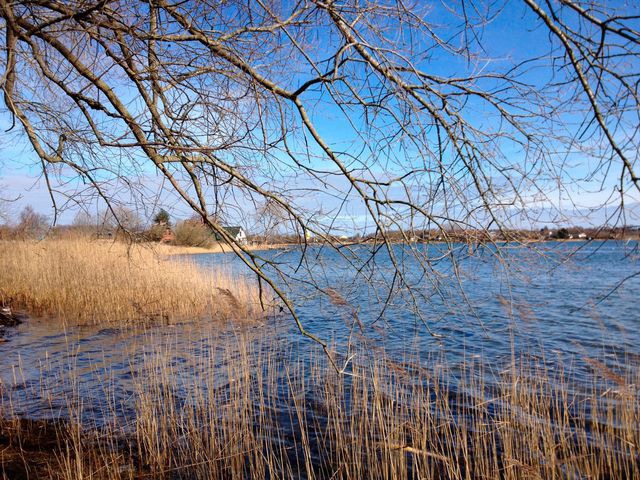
{"points": [[558, 298], [542, 302]]}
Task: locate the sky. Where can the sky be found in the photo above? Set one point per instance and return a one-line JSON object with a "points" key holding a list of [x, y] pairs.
{"points": [[512, 35]]}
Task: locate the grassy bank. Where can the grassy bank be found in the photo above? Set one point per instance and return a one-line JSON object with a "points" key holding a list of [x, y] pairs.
{"points": [[265, 414], [168, 249], [96, 281]]}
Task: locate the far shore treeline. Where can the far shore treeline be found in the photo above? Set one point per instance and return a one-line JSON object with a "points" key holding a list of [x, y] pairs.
{"points": [[193, 232]]}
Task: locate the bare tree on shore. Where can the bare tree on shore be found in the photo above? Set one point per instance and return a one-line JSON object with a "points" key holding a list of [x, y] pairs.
{"points": [[5, 206], [31, 224], [407, 116]]}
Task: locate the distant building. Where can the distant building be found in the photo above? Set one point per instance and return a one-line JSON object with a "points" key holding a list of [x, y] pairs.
{"points": [[237, 233], [546, 232]]}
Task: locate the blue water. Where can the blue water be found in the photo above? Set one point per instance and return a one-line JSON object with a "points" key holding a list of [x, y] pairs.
{"points": [[558, 302], [562, 299]]}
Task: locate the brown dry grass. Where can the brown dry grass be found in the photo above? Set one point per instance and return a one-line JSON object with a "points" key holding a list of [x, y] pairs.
{"points": [[97, 281], [265, 415]]}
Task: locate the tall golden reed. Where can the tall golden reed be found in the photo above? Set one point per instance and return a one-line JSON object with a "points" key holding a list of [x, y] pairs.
{"points": [[266, 413], [87, 281]]}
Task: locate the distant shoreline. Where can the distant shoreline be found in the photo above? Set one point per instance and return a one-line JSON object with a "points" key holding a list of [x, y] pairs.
{"points": [[172, 250], [167, 249]]}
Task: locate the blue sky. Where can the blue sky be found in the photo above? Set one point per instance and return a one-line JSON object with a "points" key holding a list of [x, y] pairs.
{"points": [[510, 37]]}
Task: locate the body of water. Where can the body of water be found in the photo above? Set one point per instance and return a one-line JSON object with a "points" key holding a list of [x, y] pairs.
{"points": [[558, 302]]}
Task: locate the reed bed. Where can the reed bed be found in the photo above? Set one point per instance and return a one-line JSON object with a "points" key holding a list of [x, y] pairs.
{"points": [[265, 413], [86, 281]]}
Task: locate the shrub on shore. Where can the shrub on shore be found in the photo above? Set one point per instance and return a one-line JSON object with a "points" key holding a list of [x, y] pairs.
{"points": [[155, 233], [103, 281], [190, 233]]}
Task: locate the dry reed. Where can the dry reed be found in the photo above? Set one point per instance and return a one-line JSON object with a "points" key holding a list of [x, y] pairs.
{"points": [[268, 414], [96, 281]]}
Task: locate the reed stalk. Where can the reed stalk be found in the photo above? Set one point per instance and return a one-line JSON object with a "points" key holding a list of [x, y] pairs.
{"points": [[84, 281]]}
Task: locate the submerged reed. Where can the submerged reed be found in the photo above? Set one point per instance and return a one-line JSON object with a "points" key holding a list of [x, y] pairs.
{"points": [[88, 281], [265, 413]]}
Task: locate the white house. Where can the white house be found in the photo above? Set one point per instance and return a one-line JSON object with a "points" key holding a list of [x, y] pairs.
{"points": [[237, 233]]}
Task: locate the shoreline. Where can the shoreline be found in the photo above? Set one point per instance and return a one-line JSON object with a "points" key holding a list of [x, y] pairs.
{"points": [[171, 250]]}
